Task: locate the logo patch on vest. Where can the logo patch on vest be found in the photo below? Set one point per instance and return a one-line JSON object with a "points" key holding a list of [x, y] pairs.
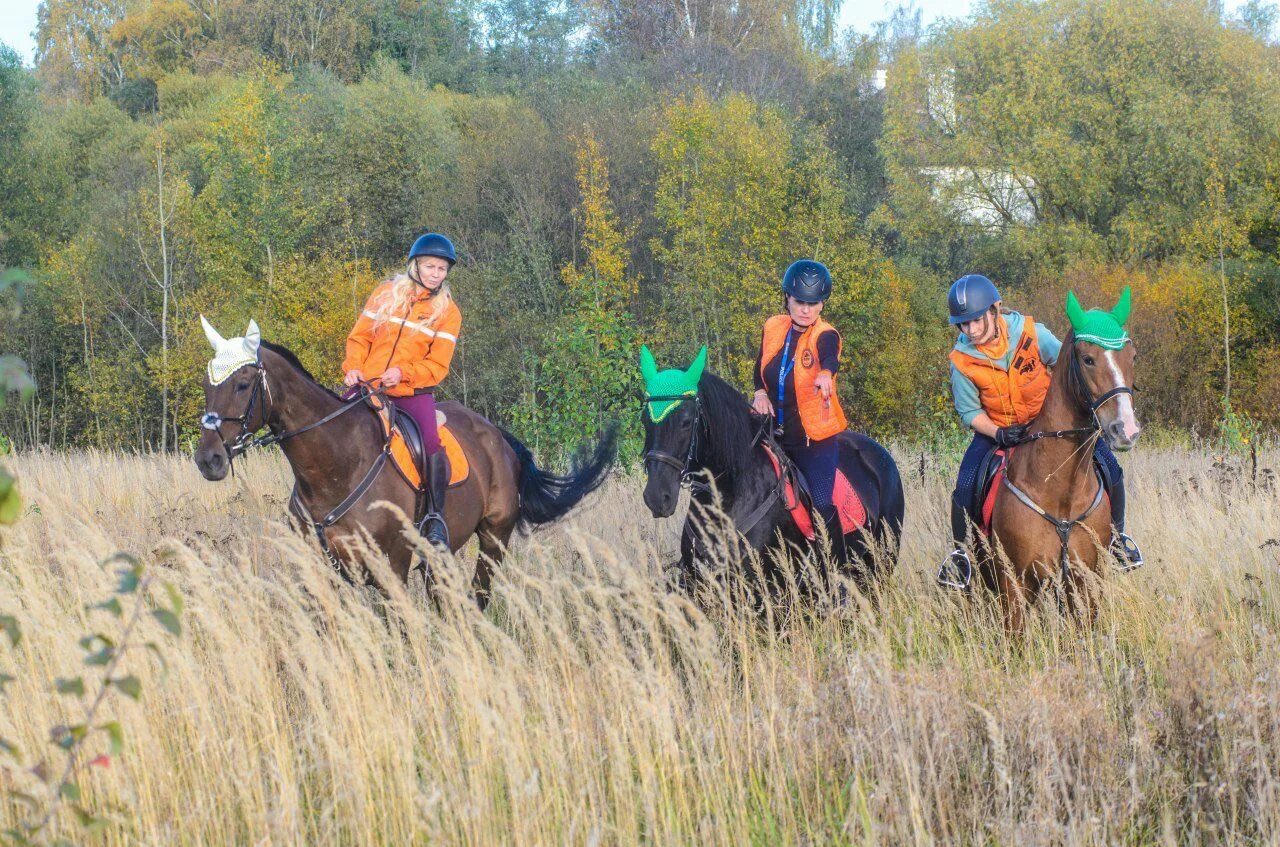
{"points": [[806, 359]]}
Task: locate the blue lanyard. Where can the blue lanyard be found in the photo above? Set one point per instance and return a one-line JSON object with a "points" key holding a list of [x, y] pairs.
{"points": [[785, 367]]}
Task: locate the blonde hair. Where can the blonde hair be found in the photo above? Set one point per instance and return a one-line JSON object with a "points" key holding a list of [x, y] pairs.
{"points": [[395, 301]]}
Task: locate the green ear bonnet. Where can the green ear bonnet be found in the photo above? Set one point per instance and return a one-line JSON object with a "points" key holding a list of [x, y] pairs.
{"points": [[1105, 329], [669, 383]]}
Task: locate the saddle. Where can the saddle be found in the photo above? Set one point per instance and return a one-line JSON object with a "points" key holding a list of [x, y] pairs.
{"points": [[799, 500], [406, 444]]}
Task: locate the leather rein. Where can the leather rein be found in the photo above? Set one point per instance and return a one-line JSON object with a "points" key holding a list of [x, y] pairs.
{"points": [[688, 476]]}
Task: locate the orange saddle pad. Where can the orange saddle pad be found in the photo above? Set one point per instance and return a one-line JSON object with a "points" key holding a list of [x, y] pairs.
{"points": [[459, 467]]}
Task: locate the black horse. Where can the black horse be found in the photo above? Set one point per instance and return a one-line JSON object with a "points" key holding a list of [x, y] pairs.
{"points": [[713, 436]]}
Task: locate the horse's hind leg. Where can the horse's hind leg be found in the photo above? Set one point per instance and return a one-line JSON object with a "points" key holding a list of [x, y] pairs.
{"points": [[493, 547]]}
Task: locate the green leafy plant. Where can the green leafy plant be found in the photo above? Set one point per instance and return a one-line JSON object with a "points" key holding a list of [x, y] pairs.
{"points": [[13, 377], [137, 603]]}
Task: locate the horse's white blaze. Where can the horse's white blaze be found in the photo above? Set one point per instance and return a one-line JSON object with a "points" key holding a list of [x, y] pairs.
{"points": [[1124, 402]]}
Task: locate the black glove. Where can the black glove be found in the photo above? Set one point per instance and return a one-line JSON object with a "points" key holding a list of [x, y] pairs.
{"points": [[1011, 436]]}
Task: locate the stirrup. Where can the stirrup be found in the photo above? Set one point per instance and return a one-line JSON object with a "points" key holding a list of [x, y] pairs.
{"points": [[435, 530], [1128, 556], [956, 571]]}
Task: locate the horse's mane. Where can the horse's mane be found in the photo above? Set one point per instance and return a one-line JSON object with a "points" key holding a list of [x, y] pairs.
{"points": [[287, 354], [730, 428]]}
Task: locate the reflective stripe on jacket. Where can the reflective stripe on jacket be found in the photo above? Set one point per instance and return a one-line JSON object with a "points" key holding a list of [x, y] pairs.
{"points": [[822, 419], [1009, 396], [421, 350]]}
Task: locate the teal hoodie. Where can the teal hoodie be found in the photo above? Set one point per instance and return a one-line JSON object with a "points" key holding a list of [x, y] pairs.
{"points": [[965, 394]]}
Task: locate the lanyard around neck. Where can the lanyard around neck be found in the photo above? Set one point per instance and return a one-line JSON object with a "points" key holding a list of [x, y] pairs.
{"points": [[785, 367]]}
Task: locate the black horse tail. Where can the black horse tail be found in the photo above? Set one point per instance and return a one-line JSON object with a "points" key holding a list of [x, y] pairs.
{"points": [[546, 497]]}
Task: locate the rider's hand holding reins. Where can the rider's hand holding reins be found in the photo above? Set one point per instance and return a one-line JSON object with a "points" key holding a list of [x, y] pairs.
{"points": [[352, 377], [760, 403], [391, 377], [822, 385], [1011, 436]]}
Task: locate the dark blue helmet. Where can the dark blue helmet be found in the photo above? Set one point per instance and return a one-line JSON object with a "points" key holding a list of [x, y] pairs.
{"points": [[807, 281], [433, 244], [970, 296]]}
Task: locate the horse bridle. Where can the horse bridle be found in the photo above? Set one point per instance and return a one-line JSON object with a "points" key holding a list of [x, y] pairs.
{"points": [[683, 468], [248, 438], [1080, 391]]}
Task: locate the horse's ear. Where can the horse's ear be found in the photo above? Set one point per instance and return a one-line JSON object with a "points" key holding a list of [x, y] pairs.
{"points": [[252, 338], [1123, 307], [1075, 312], [694, 373], [212, 334], [648, 365]]}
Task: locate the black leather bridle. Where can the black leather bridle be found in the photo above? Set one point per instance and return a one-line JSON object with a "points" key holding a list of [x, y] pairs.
{"points": [[664, 458]]}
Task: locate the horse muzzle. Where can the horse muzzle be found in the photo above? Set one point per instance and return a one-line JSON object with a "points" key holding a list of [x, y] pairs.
{"points": [[661, 498], [213, 462], [1121, 436]]}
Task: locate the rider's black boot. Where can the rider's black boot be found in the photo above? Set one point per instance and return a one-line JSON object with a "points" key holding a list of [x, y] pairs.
{"points": [[1122, 546], [436, 481], [957, 570]]}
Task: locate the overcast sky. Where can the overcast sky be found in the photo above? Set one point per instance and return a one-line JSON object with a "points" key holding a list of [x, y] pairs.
{"points": [[18, 17]]}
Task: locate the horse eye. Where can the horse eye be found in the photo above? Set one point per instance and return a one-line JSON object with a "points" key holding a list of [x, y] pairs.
{"points": [[242, 386], [1088, 360]]}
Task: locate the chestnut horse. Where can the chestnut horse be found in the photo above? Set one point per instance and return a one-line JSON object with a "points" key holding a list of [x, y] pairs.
{"points": [[337, 449], [1049, 524]]}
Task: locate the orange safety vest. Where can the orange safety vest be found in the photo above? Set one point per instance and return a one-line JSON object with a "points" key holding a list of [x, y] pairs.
{"points": [[1015, 395], [821, 420]]}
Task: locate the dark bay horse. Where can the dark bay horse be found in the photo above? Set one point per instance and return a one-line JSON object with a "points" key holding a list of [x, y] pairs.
{"points": [[713, 434], [1050, 523], [336, 449]]}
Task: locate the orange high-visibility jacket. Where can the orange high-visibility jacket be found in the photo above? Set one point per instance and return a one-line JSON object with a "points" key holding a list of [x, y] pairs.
{"points": [[1015, 395], [422, 351], [821, 419]]}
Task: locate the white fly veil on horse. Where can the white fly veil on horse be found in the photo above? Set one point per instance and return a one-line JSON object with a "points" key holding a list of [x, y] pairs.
{"points": [[231, 354]]}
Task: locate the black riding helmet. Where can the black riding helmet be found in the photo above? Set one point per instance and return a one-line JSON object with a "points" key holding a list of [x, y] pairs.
{"points": [[808, 281]]}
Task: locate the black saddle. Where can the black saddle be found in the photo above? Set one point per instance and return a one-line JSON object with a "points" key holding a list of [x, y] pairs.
{"points": [[987, 471]]}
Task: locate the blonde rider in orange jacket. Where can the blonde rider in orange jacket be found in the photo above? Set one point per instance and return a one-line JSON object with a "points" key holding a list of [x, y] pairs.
{"points": [[404, 339]]}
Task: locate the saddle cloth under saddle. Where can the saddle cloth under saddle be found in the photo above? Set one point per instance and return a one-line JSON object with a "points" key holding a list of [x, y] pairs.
{"points": [[989, 477], [406, 444], [799, 502]]}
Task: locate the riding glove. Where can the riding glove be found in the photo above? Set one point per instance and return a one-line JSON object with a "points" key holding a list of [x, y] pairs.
{"points": [[1010, 436]]}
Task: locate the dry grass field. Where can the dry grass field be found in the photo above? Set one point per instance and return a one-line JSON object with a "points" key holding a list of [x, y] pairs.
{"points": [[589, 706]]}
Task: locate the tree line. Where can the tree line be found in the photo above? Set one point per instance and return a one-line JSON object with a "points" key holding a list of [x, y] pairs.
{"points": [[626, 171]]}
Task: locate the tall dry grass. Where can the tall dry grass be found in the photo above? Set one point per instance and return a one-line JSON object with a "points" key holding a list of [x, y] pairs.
{"points": [[589, 706]]}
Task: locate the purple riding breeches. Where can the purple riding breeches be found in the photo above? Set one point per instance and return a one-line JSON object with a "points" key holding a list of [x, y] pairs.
{"points": [[420, 407]]}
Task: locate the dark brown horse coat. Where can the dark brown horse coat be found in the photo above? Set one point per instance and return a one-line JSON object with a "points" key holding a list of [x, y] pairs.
{"points": [[504, 488]]}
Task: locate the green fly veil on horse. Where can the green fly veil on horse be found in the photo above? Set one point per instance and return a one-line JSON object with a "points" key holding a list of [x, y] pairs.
{"points": [[1105, 329], [670, 385]]}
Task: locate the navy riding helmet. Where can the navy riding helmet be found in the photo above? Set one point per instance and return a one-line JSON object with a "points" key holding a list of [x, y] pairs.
{"points": [[807, 281], [970, 296], [433, 244]]}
